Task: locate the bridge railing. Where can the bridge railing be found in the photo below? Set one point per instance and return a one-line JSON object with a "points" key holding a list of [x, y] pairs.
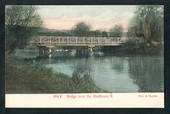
{"points": [[77, 40]]}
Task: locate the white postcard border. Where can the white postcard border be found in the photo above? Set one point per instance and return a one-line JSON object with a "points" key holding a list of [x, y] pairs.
{"points": [[89, 100]]}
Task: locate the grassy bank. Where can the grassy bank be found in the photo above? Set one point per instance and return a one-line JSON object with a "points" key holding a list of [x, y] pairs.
{"points": [[26, 77]]}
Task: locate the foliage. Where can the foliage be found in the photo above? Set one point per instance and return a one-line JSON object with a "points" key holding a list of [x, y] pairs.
{"points": [[84, 81], [19, 24], [148, 22], [116, 31], [135, 28], [96, 33], [104, 34], [76, 79], [131, 44], [22, 16], [81, 29], [56, 33]]}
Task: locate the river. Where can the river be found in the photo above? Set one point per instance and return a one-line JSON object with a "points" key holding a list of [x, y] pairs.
{"points": [[115, 74]]}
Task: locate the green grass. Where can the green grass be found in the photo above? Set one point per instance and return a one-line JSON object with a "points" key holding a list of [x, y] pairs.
{"points": [[26, 77]]}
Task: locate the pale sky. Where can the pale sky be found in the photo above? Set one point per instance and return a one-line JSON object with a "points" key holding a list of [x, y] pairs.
{"points": [[99, 17]]}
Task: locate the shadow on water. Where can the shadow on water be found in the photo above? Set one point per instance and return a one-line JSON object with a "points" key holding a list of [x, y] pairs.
{"points": [[147, 73]]}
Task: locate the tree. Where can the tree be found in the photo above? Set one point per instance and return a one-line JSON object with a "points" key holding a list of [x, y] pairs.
{"points": [[149, 21], [116, 31], [135, 28], [104, 34], [20, 23], [98, 33], [81, 29]]}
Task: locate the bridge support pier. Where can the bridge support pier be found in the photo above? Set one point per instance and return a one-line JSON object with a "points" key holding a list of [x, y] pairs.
{"points": [[84, 51], [43, 51]]}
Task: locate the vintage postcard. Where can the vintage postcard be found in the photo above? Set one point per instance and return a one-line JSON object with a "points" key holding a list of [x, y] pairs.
{"points": [[80, 56]]}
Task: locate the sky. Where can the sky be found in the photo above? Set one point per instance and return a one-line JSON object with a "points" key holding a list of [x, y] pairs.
{"points": [[98, 17]]}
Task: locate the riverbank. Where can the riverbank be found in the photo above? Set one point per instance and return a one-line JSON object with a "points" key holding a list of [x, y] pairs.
{"points": [[151, 51], [137, 51], [26, 77]]}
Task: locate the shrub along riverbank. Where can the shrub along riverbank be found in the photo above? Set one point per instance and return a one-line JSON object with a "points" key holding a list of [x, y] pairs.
{"points": [[131, 48], [26, 77]]}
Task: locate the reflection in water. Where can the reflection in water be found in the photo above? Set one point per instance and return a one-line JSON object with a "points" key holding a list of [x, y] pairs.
{"points": [[118, 64], [147, 73], [114, 74], [83, 67], [117, 74]]}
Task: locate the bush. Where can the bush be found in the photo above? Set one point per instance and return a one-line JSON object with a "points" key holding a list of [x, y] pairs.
{"points": [[132, 44]]}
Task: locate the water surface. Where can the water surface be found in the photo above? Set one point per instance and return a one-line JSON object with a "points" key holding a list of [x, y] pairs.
{"points": [[116, 74], [111, 73]]}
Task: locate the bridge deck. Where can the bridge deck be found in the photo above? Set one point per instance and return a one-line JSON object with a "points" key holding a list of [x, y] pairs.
{"points": [[77, 41]]}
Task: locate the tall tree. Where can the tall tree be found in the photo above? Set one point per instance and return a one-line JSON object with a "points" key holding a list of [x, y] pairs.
{"points": [[116, 31], [98, 33], [81, 29], [104, 34], [135, 27], [20, 23], [149, 20]]}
